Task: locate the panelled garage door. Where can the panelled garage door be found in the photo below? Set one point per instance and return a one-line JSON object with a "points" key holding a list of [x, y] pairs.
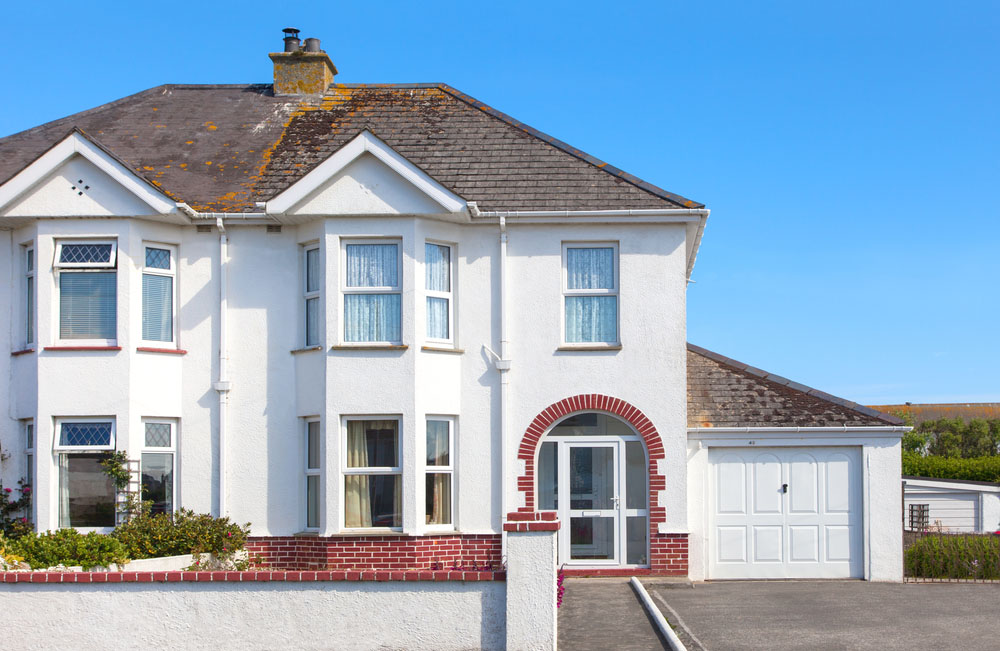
{"points": [[785, 513]]}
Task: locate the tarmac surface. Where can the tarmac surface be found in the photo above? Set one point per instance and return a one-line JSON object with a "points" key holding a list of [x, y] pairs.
{"points": [[780, 615], [605, 614]]}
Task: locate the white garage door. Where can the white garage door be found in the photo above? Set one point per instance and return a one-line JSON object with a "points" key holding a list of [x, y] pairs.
{"points": [[785, 513]]}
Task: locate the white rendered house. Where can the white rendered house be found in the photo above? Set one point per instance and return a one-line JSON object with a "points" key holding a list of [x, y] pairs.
{"points": [[378, 322]]}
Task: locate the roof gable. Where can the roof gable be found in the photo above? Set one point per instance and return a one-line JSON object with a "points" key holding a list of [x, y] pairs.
{"points": [[76, 177], [725, 393], [365, 176]]}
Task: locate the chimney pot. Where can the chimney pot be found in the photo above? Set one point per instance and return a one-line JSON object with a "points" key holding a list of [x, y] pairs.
{"points": [[312, 45], [291, 39]]}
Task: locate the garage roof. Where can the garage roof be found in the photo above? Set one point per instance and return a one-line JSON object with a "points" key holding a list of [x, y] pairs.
{"points": [[723, 392]]}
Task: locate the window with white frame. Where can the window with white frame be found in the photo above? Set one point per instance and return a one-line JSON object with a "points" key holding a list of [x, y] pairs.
{"points": [[373, 479], [88, 292], [311, 276], [590, 292], [440, 471], [158, 274], [372, 289], [157, 467], [438, 284], [86, 494], [29, 460], [312, 462], [29, 295]]}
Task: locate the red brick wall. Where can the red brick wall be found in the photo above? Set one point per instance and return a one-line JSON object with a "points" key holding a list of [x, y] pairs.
{"points": [[668, 552], [391, 552]]}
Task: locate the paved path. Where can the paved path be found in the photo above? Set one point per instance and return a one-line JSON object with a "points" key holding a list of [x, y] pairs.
{"points": [[604, 614], [783, 615]]}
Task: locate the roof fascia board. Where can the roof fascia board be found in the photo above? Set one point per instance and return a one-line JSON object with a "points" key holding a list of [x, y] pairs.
{"points": [[732, 435], [77, 143], [365, 142], [951, 484]]}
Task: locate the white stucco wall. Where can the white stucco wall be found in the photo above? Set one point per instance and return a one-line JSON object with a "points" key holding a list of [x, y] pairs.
{"points": [[276, 615], [881, 495], [532, 617]]}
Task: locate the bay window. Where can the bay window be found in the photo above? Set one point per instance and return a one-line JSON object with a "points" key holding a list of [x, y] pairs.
{"points": [[372, 290], [157, 465], [439, 473], [86, 494], [438, 281], [158, 294], [88, 292], [311, 296], [373, 479], [29, 296], [29, 466], [590, 293], [312, 458]]}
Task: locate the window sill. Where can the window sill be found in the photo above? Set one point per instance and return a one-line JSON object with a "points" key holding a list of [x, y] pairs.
{"points": [[588, 348], [443, 349], [369, 347], [22, 352], [307, 349], [165, 351], [357, 533], [82, 348], [308, 533]]}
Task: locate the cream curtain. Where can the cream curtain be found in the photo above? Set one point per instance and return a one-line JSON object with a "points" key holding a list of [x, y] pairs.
{"points": [[358, 510], [439, 498]]}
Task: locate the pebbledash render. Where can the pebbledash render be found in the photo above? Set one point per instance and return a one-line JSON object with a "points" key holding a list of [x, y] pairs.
{"points": [[386, 324]]}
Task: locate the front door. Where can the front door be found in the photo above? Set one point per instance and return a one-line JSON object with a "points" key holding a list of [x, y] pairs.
{"points": [[592, 483]]}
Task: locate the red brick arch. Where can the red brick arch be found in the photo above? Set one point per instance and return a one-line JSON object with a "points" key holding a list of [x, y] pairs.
{"points": [[668, 551]]}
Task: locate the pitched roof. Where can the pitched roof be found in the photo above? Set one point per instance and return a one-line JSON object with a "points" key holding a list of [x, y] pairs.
{"points": [[225, 147], [722, 392]]}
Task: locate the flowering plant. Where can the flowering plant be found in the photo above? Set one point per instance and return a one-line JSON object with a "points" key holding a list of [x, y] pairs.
{"points": [[15, 506]]}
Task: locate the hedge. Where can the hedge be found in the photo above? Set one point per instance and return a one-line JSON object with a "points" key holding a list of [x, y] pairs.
{"points": [[974, 469], [954, 556]]}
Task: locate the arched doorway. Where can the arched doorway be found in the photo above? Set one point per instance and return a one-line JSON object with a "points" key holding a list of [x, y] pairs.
{"points": [[593, 470]]}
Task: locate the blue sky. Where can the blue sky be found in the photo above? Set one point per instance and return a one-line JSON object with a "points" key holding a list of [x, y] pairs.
{"points": [[848, 151]]}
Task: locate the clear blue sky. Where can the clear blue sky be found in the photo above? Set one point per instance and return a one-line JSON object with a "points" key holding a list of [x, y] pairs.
{"points": [[850, 151]]}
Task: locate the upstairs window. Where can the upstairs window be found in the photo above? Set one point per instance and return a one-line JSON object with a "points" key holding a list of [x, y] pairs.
{"points": [[88, 291], [372, 292], [438, 281], [29, 295], [158, 294], [311, 295], [590, 293]]}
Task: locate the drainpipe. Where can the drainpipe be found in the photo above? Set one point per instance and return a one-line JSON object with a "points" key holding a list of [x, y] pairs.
{"points": [[503, 365], [222, 386]]}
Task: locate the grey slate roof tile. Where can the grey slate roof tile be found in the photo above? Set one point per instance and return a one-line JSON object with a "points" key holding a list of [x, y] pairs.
{"points": [[725, 393]]}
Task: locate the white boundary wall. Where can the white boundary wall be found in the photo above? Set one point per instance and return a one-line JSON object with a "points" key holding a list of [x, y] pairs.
{"points": [[256, 615]]}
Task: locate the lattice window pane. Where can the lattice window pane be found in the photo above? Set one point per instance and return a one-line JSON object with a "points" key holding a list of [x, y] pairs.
{"points": [[85, 434], [157, 258], [85, 253], [157, 435]]}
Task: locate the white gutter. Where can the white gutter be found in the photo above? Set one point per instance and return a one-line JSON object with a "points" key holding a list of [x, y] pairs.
{"points": [[692, 214], [222, 386], [796, 430]]}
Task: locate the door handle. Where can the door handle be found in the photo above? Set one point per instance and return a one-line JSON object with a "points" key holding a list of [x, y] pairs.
{"points": [[615, 499], [784, 488]]}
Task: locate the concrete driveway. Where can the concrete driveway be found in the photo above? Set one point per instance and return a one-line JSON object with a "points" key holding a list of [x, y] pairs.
{"points": [[834, 614]]}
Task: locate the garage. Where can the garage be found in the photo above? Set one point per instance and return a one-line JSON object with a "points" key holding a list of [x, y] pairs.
{"points": [[785, 513]]}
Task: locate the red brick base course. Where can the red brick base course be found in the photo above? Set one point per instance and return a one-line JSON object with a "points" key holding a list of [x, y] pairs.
{"points": [[391, 552], [217, 577]]}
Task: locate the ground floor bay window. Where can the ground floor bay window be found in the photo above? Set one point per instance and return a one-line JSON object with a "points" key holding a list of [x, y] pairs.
{"points": [[592, 470], [86, 493], [373, 480]]}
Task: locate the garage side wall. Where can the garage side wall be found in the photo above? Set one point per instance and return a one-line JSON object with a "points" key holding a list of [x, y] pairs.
{"points": [[883, 519]]}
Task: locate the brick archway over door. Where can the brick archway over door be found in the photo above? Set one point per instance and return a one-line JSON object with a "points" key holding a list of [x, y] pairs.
{"points": [[668, 552]]}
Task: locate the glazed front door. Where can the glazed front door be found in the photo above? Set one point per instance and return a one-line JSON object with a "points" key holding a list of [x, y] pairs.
{"points": [[592, 511]]}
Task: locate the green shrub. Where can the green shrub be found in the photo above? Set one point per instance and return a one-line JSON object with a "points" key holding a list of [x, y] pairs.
{"points": [[954, 556], [975, 469], [67, 547], [185, 532]]}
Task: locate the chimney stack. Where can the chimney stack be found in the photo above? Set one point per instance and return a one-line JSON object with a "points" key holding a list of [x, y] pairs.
{"points": [[301, 70]]}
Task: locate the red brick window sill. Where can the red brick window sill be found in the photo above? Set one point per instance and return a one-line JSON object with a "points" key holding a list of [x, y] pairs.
{"points": [[164, 351], [82, 348]]}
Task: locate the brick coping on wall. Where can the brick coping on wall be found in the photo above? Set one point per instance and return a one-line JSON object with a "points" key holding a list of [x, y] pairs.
{"points": [[250, 576]]}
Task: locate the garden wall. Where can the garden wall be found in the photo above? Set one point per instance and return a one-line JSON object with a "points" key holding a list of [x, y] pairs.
{"points": [[254, 610]]}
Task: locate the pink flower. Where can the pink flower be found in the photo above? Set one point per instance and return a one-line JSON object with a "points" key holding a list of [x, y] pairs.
{"points": [[6, 490], [26, 490]]}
